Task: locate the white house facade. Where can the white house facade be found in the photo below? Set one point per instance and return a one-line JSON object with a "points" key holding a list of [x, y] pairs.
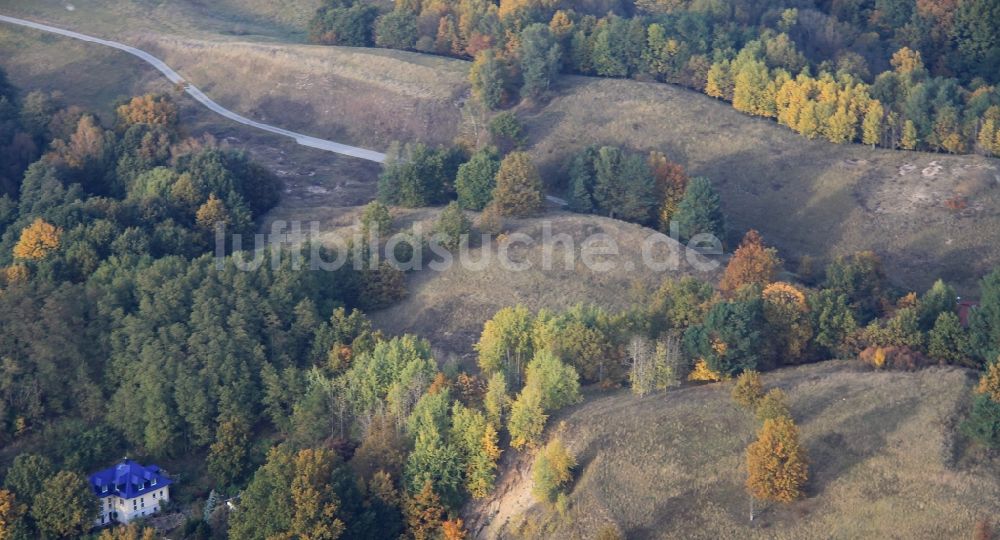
{"points": [[129, 491]]}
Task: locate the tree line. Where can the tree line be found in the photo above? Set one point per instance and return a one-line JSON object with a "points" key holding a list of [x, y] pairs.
{"points": [[887, 73]]}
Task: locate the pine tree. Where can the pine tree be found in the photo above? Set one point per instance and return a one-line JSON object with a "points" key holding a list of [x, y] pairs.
{"points": [[476, 180], [540, 56], [700, 211], [947, 340], [582, 178]]}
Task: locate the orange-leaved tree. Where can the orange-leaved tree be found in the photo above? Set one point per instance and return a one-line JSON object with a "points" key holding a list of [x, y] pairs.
{"points": [[148, 109], [752, 263], [776, 463], [37, 240]]}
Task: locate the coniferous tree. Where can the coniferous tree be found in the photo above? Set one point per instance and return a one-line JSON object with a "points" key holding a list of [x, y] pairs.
{"points": [[540, 55], [476, 180], [700, 211]]}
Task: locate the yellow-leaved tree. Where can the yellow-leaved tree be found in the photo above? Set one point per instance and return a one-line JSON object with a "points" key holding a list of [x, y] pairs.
{"points": [[313, 497], [37, 240], [776, 463], [989, 384], [787, 313]]}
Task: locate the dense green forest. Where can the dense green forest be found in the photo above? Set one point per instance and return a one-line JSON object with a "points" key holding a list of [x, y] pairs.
{"points": [[892, 73], [122, 334]]}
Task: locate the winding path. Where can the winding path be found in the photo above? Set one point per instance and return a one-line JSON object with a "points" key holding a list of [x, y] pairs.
{"points": [[198, 95], [194, 92]]}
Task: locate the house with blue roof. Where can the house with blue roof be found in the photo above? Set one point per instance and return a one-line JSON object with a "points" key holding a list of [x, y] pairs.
{"points": [[129, 490]]}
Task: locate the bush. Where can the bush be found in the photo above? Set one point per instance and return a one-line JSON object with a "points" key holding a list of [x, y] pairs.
{"points": [[506, 131], [773, 406], [490, 221], [748, 389], [452, 225]]}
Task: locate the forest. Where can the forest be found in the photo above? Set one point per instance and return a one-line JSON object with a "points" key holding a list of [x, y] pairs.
{"points": [[890, 73], [273, 385]]}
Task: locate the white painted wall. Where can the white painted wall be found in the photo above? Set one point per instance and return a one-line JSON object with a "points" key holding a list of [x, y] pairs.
{"points": [[134, 508]]}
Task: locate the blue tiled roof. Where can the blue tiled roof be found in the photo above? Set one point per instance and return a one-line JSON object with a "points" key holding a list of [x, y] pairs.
{"points": [[128, 479]]}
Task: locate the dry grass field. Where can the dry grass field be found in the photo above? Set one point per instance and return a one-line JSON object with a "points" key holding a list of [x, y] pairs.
{"points": [[450, 307], [885, 462], [807, 197]]}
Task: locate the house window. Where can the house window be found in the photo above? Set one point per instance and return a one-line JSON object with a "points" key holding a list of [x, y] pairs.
{"points": [[104, 488], [154, 480]]}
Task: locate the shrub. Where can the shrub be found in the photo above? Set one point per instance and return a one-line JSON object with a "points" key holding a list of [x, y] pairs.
{"points": [[452, 225], [748, 389], [773, 405]]}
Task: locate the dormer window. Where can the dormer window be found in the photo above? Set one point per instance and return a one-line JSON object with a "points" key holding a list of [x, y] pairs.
{"points": [[154, 480]]}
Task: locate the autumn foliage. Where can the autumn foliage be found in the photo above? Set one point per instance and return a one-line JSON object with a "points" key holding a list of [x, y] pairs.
{"points": [[776, 463], [748, 389], [752, 263], [989, 384], [37, 240], [148, 109]]}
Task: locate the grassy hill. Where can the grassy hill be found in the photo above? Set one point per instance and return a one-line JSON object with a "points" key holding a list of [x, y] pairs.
{"points": [[806, 197], [450, 307], [885, 462]]}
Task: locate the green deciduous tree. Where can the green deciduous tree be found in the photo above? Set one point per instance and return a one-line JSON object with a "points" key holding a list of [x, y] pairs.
{"points": [[229, 454], [65, 505]]}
